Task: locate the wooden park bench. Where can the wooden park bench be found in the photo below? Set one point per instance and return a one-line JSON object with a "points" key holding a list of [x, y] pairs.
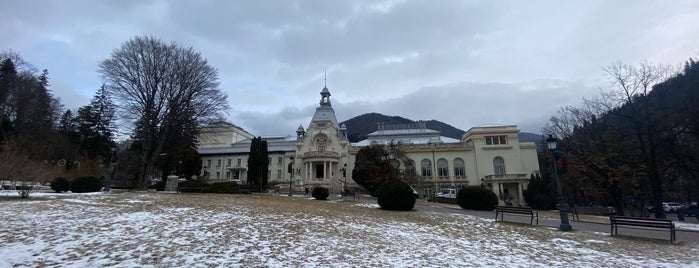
{"points": [[599, 211], [350, 193], [190, 187], [501, 210], [641, 223]]}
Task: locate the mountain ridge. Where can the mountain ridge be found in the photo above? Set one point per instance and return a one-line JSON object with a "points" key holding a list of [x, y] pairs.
{"points": [[360, 126]]}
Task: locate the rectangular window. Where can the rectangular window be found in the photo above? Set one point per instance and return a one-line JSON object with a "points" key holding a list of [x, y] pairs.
{"points": [[218, 163], [459, 172], [496, 140], [218, 175], [228, 175], [239, 161], [500, 170], [426, 172], [208, 163], [321, 148], [410, 171], [442, 172], [229, 163], [279, 174], [279, 160]]}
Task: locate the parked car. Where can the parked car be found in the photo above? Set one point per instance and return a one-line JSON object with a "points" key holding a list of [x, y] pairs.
{"points": [[691, 210], [668, 207], [447, 193], [415, 193], [650, 208], [671, 207]]}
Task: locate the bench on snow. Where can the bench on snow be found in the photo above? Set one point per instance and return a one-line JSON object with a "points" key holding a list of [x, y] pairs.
{"points": [[641, 223], [350, 193], [501, 210]]}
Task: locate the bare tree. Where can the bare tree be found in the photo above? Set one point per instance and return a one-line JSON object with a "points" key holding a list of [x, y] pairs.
{"points": [[161, 88], [17, 168]]}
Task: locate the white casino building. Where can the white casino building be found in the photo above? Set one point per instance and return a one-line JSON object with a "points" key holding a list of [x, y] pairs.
{"points": [[490, 156]]}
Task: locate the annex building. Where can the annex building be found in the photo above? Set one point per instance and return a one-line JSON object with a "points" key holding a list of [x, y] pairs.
{"points": [[321, 154]]}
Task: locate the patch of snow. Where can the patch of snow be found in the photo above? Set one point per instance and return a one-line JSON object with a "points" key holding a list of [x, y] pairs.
{"points": [[154, 230]]}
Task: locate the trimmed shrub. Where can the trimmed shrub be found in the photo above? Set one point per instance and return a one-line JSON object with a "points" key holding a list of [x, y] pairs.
{"points": [[245, 191], [87, 184], [320, 193], [476, 198], [395, 195], [228, 187], [60, 184], [191, 186]]}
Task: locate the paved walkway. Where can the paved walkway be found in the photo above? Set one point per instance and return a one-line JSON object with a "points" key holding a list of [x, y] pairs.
{"points": [[587, 222]]}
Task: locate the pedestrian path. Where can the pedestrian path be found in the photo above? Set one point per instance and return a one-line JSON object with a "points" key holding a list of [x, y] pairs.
{"points": [[685, 231]]}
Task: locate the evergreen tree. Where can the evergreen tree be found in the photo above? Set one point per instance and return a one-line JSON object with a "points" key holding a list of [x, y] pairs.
{"points": [[370, 170], [95, 123], [258, 162], [540, 193]]}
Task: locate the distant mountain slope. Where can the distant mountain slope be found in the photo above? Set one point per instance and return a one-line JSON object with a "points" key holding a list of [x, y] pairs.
{"points": [[360, 126]]}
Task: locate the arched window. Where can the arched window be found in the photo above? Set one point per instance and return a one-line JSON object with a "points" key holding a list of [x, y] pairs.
{"points": [[410, 168], [442, 168], [499, 166], [426, 168], [459, 169]]}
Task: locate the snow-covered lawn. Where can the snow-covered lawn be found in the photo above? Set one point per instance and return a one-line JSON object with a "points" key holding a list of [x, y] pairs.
{"points": [[186, 230]]}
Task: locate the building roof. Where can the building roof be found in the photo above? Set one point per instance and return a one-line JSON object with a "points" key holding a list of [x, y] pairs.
{"points": [[405, 133], [274, 144]]}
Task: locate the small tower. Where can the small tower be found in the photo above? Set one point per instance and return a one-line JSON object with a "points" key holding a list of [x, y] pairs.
{"points": [[300, 133], [325, 97], [343, 132]]}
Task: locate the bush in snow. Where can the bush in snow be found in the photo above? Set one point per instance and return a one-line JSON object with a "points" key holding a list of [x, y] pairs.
{"points": [[86, 184], [60, 184], [228, 187], [476, 198], [395, 195], [320, 193]]}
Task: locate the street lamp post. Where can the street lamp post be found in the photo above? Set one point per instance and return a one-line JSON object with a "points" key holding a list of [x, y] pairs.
{"points": [[562, 205], [291, 172], [344, 176]]}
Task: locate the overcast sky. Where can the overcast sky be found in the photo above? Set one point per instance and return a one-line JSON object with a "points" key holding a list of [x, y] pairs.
{"points": [[466, 63]]}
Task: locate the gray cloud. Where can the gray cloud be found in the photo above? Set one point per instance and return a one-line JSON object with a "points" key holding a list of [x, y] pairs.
{"points": [[464, 63]]}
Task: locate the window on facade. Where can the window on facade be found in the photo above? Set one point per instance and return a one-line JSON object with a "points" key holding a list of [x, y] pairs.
{"points": [[279, 160], [279, 174], [426, 168], [459, 169], [218, 163], [239, 161], [321, 142], [499, 166], [269, 161], [228, 175], [442, 168], [410, 168], [229, 163], [496, 140], [218, 175], [208, 163]]}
